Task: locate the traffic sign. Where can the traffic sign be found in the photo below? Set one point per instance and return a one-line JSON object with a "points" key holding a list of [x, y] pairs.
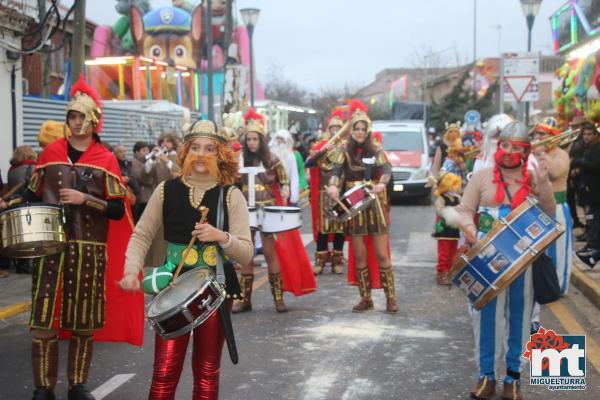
{"points": [[520, 73]]}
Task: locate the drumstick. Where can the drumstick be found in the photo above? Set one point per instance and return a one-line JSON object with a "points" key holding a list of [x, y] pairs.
{"points": [[337, 199], [204, 213], [380, 210], [13, 190]]}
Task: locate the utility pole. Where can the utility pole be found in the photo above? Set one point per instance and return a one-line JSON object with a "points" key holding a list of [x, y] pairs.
{"points": [[78, 41], [209, 59], [44, 57], [228, 28]]}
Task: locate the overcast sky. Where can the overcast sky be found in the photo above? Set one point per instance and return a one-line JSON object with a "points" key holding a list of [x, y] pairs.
{"points": [[324, 43]]}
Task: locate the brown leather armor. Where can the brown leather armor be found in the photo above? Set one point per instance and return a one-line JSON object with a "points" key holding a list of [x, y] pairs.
{"points": [[263, 182]]}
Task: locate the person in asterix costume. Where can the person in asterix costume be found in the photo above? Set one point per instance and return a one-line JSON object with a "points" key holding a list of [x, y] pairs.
{"points": [[68, 291], [493, 192], [209, 170], [356, 161], [287, 261], [452, 137], [561, 251], [325, 227], [447, 192]]}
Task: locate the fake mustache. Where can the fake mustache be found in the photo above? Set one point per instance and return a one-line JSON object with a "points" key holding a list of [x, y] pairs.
{"points": [[210, 162]]}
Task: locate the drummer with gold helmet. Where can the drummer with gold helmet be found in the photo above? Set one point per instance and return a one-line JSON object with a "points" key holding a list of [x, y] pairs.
{"points": [[360, 160], [68, 288], [209, 170], [324, 225], [492, 193], [287, 261]]}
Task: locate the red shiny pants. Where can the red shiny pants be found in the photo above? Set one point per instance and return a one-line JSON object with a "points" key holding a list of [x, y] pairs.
{"points": [[169, 355], [446, 251]]}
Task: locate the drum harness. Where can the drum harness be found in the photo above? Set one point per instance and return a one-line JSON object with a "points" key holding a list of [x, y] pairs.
{"points": [[223, 309]]}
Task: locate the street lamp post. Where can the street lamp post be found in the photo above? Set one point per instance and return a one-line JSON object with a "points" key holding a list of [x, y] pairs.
{"points": [[250, 19], [530, 9]]}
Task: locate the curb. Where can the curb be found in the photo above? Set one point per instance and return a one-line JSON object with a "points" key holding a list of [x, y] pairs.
{"points": [[15, 309], [588, 286]]}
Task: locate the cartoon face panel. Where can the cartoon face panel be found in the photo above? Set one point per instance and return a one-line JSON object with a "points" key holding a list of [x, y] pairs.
{"points": [[170, 49]]}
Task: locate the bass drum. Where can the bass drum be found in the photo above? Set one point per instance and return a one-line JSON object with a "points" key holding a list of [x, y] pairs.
{"points": [[32, 230], [253, 214], [281, 219]]}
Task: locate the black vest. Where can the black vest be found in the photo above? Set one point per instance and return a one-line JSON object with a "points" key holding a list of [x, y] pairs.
{"points": [[180, 216]]}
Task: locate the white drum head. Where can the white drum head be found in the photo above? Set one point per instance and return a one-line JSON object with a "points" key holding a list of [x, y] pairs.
{"points": [[186, 285]]}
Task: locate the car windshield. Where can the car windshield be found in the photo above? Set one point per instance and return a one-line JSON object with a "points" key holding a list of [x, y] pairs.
{"points": [[403, 140]]}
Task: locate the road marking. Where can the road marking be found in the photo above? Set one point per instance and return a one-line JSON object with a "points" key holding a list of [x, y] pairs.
{"points": [[574, 328], [15, 309], [318, 385], [111, 385], [260, 281]]}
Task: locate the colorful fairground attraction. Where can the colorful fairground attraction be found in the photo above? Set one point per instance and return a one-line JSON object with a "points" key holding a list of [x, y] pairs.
{"points": [[161, 54], [576, 34]]}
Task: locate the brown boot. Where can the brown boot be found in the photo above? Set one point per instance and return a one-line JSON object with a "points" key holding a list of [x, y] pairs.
{"points": [[387, 281], [44, 359], [81, 348], [329, 258], [364, 288], [320, 259], [338, 261], [512, 391], [442, 279], [245, 303], [277, 291], [485, 389]]}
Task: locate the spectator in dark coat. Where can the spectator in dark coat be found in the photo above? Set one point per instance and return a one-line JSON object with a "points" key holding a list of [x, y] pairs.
{"points": [[588, 169]]}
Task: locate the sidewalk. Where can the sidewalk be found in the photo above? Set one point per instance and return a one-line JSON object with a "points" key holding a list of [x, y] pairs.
{"points": [[15, 295]]}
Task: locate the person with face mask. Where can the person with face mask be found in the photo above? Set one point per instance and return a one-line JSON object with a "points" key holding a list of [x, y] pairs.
{"points": [[356, 161], [208, 170], [325, 227], [493, 192], [83, 176]]}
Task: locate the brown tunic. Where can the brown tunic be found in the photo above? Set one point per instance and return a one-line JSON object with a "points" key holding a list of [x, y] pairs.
{"points": [[78, 272]]}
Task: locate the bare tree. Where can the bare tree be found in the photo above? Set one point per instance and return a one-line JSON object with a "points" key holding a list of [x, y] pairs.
{"points": [[281, 88]]}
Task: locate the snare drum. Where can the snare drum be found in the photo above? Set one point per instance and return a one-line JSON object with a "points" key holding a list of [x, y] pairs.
{"points": [[253, 214], [32, 230], [192, 299], [502, 255], [355, 200], [280, 219]]}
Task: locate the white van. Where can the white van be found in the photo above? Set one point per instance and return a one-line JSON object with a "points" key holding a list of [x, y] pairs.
{"points": [[405, 143]]}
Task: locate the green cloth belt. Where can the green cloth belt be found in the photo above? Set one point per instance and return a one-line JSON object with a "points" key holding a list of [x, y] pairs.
{"points": [[203, 257], [560, 197], [486, 222]]}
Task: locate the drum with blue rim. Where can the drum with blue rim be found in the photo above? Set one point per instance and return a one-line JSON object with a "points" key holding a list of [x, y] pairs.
{"points": [[504, 253]]}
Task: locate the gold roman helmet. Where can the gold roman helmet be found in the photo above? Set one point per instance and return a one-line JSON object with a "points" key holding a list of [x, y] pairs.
{"points": [[85, 100], [336, 119], [358, 112], [255, 122], [205, 129]]}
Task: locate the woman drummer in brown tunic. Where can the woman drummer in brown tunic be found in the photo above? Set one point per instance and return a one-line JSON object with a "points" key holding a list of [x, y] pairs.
{"points": [[360, 160]]}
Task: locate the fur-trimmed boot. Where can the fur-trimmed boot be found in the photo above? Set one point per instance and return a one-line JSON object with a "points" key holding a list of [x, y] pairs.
{"points": [[320, 260], [387, 281], [277, 291], [44, 359], [364, 288], [338, 261], [245, 303]]}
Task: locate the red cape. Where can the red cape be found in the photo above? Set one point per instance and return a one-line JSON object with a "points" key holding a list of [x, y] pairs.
{"points": [[124, 310], [296, 270]]}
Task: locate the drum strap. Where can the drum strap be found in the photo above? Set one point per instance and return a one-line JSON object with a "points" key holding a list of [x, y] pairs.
{"points": [[506, 188], [224, 308], [220, 218]]}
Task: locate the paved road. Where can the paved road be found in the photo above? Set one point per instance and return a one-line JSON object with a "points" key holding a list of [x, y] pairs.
{"points": [[320, 350]]}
